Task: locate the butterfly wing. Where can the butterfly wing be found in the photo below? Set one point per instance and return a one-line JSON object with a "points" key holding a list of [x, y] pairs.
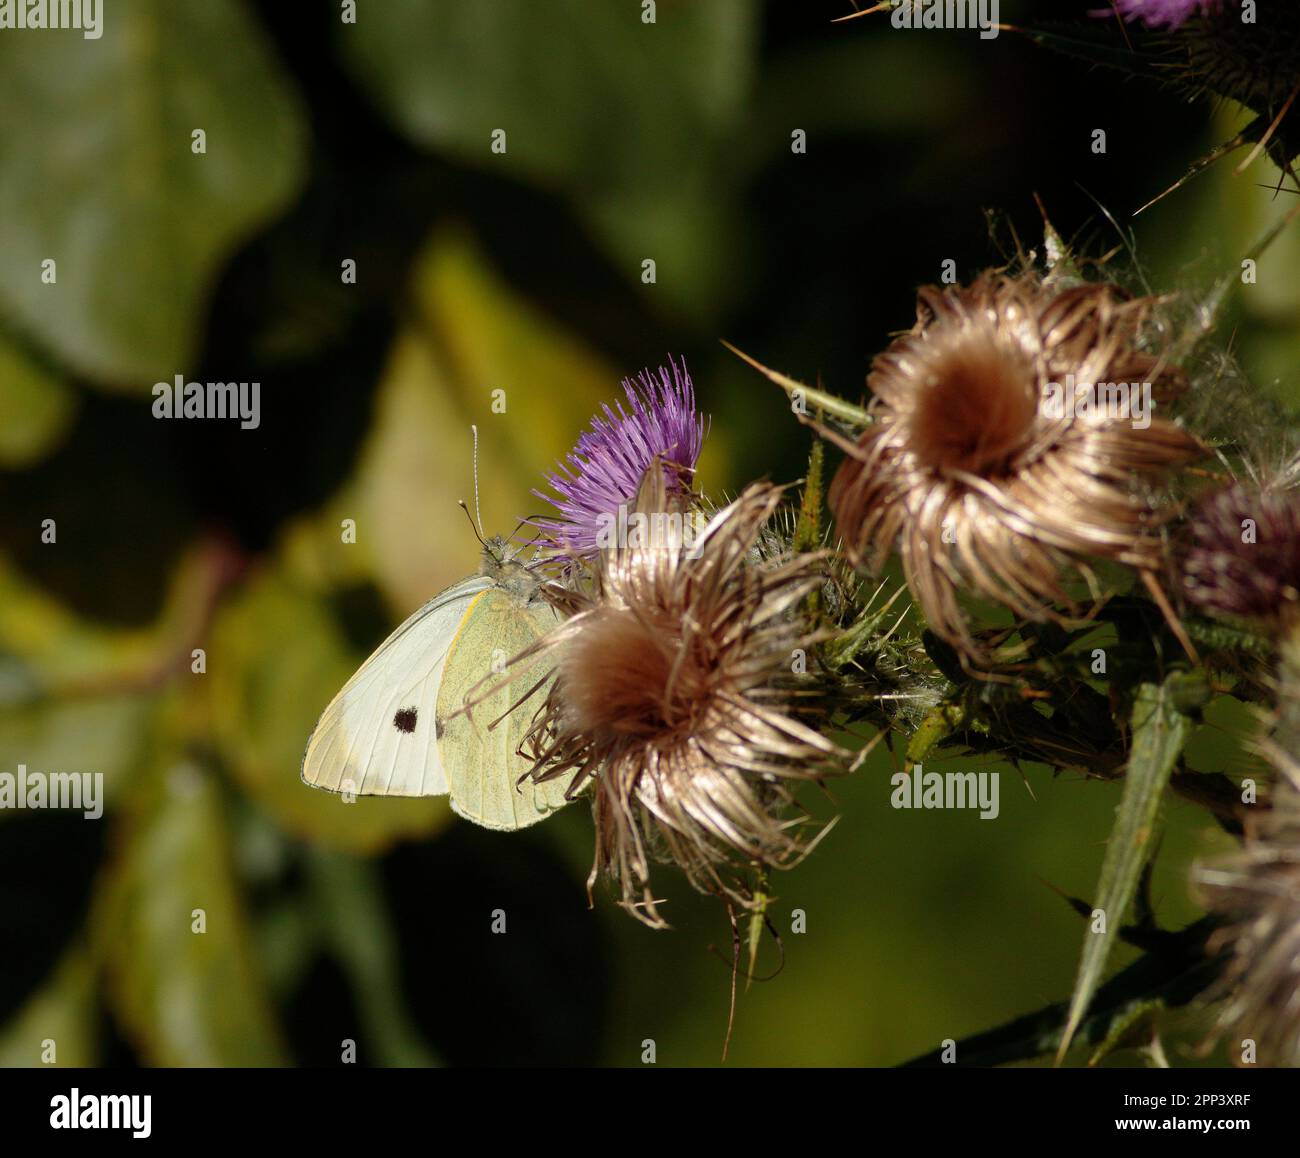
{"points": [[482, 761], [378, 737]]}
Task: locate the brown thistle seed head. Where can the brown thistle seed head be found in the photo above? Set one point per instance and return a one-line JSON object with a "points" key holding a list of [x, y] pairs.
{"points": [[674, 694], [1012, 436], [979, 410], [1258, 891], [1243, 559]]}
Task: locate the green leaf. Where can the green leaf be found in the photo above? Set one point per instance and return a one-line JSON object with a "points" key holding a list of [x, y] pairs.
{"points": [[184, 997], [102, 736], [76, 696], [36, 409], [62, 1012], [696, 238], [470, 338], [601, 105], [97, 174], [1159, 733], [351, 901], [636, 122]]}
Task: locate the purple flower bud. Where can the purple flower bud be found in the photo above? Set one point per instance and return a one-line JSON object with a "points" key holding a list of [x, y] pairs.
{"points": [[605, 469], [1244, 556]]}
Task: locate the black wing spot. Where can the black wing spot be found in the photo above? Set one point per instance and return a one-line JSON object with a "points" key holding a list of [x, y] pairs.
{"points": [[438, 727], [405, 719]]}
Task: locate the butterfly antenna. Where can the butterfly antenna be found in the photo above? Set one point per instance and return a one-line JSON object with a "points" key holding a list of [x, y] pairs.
{"points": [[477, 528], [478, 513], [465, 507]]}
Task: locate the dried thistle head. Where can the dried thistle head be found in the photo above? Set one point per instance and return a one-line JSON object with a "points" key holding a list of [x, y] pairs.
{"points": [[1258, 890], [1012, 436], [674, 696], [1243, 560]]}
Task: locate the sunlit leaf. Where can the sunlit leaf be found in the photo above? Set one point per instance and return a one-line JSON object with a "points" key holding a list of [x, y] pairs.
{"points": [[476, 355]]}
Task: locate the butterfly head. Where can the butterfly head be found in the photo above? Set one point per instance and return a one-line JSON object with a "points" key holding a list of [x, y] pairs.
{"points": [[500, 564]]}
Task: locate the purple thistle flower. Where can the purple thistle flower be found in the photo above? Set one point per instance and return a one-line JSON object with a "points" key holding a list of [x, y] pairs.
{"points": [[1160, 13], [603, 472]]}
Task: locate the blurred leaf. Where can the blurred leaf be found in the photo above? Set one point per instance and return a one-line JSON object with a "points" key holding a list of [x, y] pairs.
{"points": [[692, 232], [75, 696], [635, 121], [97, 173], [101, 736], [276, 660], [185, 998], [1237, 210], [43, 643], [587, 94], [821, 90], [472, 336], [62, 1011], [1159, 733], [361, 935], [36, 409], [287, 931]]}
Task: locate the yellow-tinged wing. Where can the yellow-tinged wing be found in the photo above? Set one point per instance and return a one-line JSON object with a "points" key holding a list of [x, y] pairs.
{"points": [[482, 761]]}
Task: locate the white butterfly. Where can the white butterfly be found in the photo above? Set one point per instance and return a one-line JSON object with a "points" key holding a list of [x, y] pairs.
{"points": [[397, 728]]}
